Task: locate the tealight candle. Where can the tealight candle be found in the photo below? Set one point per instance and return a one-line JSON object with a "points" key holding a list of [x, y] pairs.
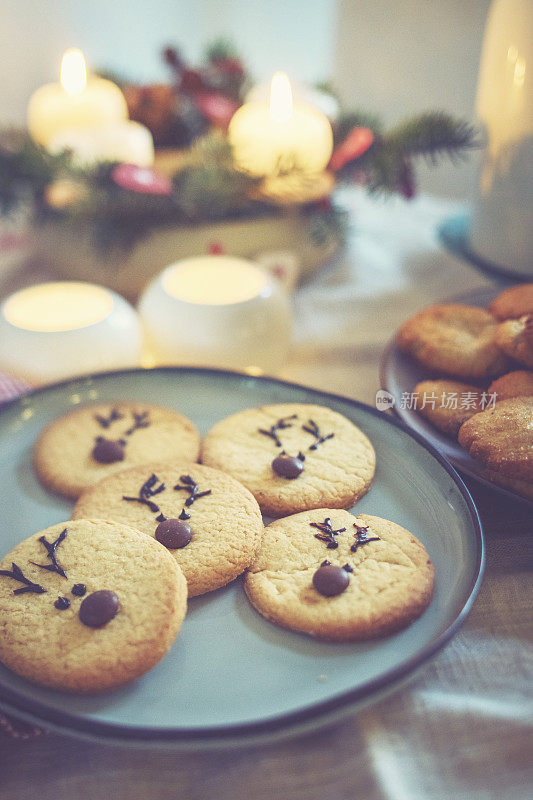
{"points": [[216, 311], [87, 116], [280, 136], [57, 330]]}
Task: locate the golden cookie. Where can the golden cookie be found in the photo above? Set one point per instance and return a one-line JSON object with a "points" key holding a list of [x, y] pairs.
{"points": [[456, 339], [210, 523], [88, 605], [523, 488], [502, 438], [340, 577], [80, 448], [515, 337], [513, 302], [514, 384], [293, 456], [447, 404]]}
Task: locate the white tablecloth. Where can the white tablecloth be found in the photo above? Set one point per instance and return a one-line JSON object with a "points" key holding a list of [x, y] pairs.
{"points": [[393, 266]]}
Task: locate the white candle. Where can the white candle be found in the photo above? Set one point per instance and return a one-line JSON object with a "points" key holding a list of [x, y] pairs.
{"points": [[216, 311], [280, 136], [260, 93], [61, 329], [501, 228], [88, 117], [126, 141], [76, 102]]}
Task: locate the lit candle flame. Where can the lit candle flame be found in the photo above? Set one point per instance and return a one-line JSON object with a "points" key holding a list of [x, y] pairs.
{"points": [[280, 98], [73, 71]]}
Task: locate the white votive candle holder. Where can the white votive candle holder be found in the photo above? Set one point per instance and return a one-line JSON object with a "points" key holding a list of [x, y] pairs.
{"points": [[57, 330], [217, 311]]}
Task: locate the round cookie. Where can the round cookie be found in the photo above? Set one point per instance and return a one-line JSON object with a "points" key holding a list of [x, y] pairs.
{"points": [[293, 456], [514, 384], [340, 577], [513, 302], [210, 524], [523, 488], [452, 406], [103, 609], [515, 338], [502, 438], [456, 339], [84, 446]]}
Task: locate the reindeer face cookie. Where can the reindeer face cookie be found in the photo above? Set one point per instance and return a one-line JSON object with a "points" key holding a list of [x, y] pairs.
{"points": [[340, 577], [293, 456], [88, 605], [210, 524], [81, 448]]}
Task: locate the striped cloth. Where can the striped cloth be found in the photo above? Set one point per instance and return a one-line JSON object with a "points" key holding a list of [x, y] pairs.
{"points": [[11, 387], [16, 729]]}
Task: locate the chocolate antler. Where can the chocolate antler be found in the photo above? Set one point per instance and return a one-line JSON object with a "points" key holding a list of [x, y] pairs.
{"points": [[327, 533], [105, 422], [146, 491], [192, 487], [314, 430], [17, 575], [361, 537], [280, 425], [139, 421], [51, 548]]}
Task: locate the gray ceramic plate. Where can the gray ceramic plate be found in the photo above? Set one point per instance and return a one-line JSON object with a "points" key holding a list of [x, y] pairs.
{"points": [[400, 373], [232, 676], [454, 234]]}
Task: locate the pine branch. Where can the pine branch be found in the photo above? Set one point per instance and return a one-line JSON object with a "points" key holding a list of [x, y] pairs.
{"points": [[25, 168], [355, 119], [433, 135], [208, 186], [380, 168], [325, 225], [221, 48]]}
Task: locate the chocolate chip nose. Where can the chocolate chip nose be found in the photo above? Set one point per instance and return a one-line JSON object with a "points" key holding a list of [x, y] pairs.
{"points": [[107, 451], [287, 466], [329, 580], [99, 608], [173, 533]]}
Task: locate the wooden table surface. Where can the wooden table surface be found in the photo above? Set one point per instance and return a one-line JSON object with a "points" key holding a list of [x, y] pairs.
{"points": [[333, 763], [461, 727]]}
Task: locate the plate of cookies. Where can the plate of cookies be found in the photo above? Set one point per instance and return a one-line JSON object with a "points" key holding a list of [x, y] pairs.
{"points": [[199, 557], [461, 375]]}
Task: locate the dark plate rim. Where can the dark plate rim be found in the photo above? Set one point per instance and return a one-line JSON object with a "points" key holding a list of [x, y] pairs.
{"points": [[16, 702], [453, 234]]}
